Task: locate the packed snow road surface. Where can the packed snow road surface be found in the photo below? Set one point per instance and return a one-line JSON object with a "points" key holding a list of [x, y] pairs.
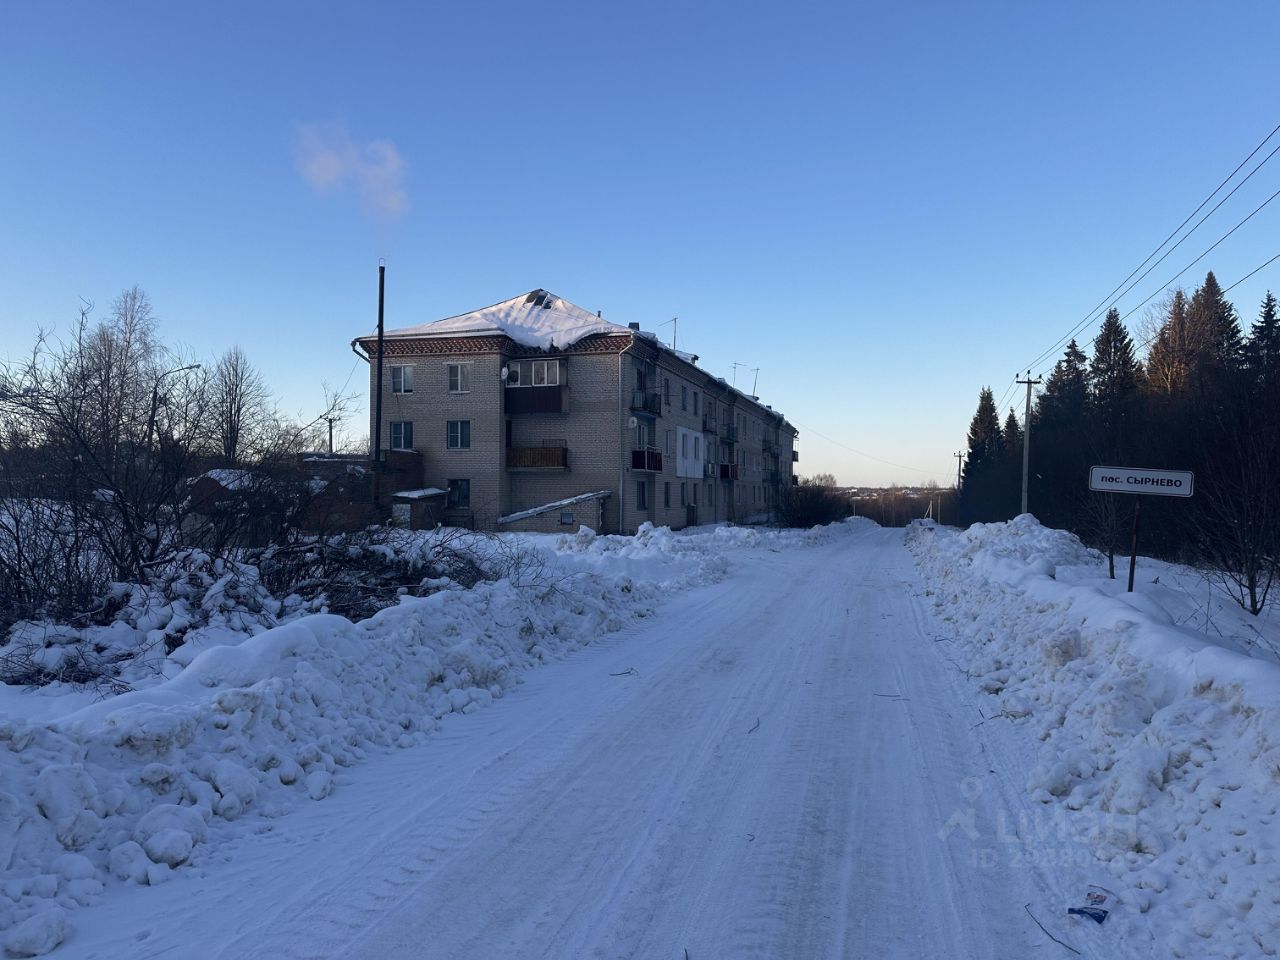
{"points": [[780, 765]]}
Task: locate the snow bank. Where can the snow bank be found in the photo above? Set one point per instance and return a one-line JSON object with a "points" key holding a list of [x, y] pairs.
{"points": [[131, 788], [1161, 749]]}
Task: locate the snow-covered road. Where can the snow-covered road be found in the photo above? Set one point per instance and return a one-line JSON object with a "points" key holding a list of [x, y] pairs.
{"points": [[782, 764]]}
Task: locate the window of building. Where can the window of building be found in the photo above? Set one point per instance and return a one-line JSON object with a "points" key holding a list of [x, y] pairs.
{"points": [[684, 397], [402, 379], [666, 390], [459, 434], [671, 443], [666, 493], [684, 445], [459, 377], [642, 502], [684, 496], [697, 447], [693, 494], [459, 493], [546, 373], [401, 434], [533, 373], [695, 403]]}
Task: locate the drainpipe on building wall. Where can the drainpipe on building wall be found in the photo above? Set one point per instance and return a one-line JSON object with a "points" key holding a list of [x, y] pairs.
{"points": [[622, 426]]}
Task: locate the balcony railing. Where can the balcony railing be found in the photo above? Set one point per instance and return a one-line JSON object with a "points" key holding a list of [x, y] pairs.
{"points": [[535, 399], [709, 424], [728, 471], [537, 458], [648, 458], [710, 470], [646, 402], [795, 456], [730, 433]]}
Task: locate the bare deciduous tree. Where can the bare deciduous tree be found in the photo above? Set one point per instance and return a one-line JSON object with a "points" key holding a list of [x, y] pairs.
{"points": [[241, 410]]}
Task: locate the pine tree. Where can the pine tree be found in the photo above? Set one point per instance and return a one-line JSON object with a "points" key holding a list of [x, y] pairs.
{"points": [[986, 445]]}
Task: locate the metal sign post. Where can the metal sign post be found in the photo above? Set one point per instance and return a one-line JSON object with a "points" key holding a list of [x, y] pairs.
{"points": [[1140, 481]]}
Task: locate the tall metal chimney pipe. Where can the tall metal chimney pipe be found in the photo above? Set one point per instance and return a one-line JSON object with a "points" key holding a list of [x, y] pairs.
{"points": [[377, 388]]}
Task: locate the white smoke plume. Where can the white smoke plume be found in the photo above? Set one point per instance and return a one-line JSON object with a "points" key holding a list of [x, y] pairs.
{"points": [[331, 161]]}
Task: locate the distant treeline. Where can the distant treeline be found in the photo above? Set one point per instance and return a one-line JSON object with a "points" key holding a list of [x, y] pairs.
{"points": [[1205, 397]]}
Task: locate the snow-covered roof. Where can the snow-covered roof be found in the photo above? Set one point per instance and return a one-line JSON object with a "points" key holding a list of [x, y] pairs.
{"points": [[535, 319], [420, 494]]}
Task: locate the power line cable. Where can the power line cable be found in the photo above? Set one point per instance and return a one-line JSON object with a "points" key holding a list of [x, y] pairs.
{"points": [[1256, 210], [1113, 294]]}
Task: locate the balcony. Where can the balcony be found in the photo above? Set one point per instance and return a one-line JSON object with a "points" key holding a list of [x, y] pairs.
{"points": [[709, 424], [730, 433], [646, 402], [535, 399], [648, 458], [710, 470], [795, 456], [728, 471], [537, 458], [769, 445]]}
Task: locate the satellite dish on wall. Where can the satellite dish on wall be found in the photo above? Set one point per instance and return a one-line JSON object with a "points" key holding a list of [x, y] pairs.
{"points": [[632, 422], [506, 372]]}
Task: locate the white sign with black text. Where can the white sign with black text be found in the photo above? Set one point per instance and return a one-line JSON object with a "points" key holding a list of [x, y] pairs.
{"points": [[1158, 483]]}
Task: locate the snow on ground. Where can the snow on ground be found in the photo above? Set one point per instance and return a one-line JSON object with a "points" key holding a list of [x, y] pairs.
{"points": [[131, 788], [1159, 743]]}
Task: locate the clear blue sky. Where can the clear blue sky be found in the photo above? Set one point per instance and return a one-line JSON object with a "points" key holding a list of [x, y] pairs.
{"points": [[882, 206]]}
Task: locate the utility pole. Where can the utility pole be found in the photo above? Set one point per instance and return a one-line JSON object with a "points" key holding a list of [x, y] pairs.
{"points": [[959, 463], [330, 421], [1026, 438]]}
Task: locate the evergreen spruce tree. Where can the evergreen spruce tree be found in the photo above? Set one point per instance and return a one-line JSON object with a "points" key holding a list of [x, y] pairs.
{"points": [[986, 445], [1066, 390], [1215, 328], [1113, 382], [1012, 434], [1262, 352]]}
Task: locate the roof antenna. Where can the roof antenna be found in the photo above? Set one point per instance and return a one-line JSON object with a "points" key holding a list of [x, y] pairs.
{"points": [[736, 365], [672, 321]]}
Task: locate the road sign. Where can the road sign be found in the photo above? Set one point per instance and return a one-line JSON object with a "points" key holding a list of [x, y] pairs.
{"points": [[1156, 483]]}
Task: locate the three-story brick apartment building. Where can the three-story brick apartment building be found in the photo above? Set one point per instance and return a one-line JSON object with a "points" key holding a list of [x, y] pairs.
{"points": [[518, 407]]}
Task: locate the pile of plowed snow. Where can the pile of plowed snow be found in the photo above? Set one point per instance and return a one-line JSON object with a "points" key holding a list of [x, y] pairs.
{"points": [[135, 786], [1161, 748]]}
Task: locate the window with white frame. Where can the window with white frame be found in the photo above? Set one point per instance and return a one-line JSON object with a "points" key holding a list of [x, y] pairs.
{"points": [[401, 434], [458, 434], [459, 377], [533, 373], [402, 379], [671, 443]]}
